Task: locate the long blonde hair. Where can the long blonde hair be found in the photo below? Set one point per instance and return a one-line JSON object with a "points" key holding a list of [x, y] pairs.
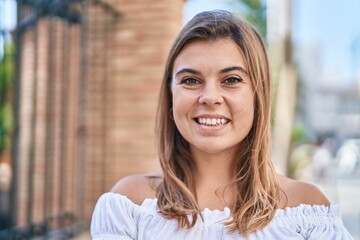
{"points": [[257, 189]]}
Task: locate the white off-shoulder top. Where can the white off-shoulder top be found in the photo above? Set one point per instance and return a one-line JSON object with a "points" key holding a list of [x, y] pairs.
{"points": [[117, 217]]}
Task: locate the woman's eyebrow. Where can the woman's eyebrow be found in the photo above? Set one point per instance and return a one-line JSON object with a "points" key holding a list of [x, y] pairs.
{"points": [[229, 69], [187, 70]]}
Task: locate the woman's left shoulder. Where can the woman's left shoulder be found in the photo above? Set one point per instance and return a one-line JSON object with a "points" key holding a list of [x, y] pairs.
{"points": [[299, 192]]}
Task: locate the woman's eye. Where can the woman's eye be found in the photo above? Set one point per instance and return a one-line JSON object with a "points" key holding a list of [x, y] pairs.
{"points": [[232, 80], [189, 81]]}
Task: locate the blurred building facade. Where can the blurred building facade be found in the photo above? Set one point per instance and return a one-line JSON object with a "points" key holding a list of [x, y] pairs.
{"points": [[327, 104], [279, 37], [86, 100]]}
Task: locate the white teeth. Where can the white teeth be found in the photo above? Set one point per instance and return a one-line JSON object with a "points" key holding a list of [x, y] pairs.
{"points": [[212, 121]]}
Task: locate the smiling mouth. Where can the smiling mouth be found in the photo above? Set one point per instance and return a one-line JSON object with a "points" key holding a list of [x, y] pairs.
{"points": [[212, 121]]}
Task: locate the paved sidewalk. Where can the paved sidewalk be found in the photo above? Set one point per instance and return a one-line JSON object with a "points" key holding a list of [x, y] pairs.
{"points": [[83, 236]]}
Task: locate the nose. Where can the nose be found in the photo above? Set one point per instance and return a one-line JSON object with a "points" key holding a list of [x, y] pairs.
{"points": [[211, 95]]}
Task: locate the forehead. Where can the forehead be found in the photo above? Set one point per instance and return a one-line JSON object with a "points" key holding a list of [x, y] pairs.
{"points": [[220, 53]]}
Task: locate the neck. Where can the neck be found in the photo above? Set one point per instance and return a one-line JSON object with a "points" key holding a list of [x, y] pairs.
{"points": [[216, 166], [212, 175]]}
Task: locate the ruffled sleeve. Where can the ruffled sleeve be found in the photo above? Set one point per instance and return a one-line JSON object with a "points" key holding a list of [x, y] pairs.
{"points": [[315, 222], [114, 218]]}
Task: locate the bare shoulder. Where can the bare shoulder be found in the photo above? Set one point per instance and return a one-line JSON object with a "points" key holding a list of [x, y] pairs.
{"points": [[138, 187], [298, 192]]}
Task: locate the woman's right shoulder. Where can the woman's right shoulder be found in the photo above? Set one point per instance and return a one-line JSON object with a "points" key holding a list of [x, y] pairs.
{"points": [[138, 187], [114, 214]]}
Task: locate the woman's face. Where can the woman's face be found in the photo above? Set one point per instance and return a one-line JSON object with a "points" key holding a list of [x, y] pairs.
{"points": [[213, 97]]}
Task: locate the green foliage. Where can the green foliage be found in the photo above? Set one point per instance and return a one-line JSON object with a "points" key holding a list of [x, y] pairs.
{"points": [[300, 161], [300, 152], [298, 134], [6, 124], [6, 77], [6, 71], [254, 11]]}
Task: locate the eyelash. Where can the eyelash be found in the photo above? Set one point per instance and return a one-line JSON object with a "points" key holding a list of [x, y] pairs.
{"points": [[186, 81], [190, 81], [237, 79]]}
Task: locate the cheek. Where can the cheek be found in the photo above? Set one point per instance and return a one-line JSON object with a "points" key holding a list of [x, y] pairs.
{"points": [[246, 116], [244, 112], [179, 114], [250, 115], [179, 108], [182, 101], [183, 105]]}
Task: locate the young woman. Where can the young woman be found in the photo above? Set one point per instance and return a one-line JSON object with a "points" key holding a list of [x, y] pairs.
{"points": [[213, 128]]}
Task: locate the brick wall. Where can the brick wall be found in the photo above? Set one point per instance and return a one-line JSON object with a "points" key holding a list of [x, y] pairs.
{"points": [[97, 123], [51, 145]]}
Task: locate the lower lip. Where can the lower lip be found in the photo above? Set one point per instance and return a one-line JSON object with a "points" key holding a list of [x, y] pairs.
{"points": [[210, 128]]}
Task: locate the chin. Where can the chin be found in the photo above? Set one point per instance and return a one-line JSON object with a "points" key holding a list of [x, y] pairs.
{"points": [[214, 148]]}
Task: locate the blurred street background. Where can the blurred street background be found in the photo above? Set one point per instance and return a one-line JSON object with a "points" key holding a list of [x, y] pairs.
{"points": [[79, 83]]}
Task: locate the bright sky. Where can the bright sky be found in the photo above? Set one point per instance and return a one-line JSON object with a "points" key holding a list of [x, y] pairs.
{"points": [[7, 14], [192, 7], [335, 27], [331, 25], [7, 19]]}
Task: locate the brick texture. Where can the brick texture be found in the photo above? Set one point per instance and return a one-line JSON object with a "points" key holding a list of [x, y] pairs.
{"points": [[92, 90]]}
